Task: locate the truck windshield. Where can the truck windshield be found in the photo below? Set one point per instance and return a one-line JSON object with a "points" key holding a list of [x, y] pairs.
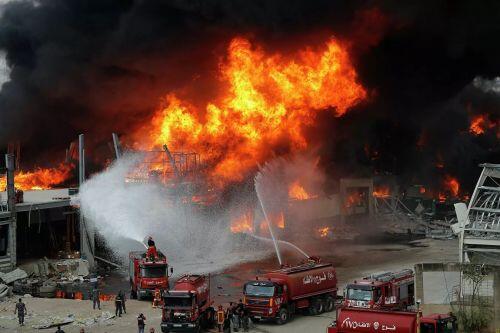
{"points": [[154, 271], [359, 294], [178, 302], [259, 290]]}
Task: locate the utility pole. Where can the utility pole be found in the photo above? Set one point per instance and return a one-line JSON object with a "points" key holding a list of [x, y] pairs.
{"points": [[11, 204]]}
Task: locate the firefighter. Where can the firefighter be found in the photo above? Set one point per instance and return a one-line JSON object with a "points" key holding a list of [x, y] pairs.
{"points": [[21, 311], [220, 318], [95, 298], [122, 298], [141, 323], [245, 318], [239, 312], [157, 298], [118, 306], [151, 253]]}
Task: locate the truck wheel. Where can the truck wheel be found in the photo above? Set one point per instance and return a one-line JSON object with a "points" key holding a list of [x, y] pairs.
{"points": [[283, 316], [316, 307], [321, 306], [329, 304]]}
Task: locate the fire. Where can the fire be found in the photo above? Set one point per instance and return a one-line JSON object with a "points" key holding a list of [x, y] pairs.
{"points": [[265, 100], [452, 185], [480, 124], [354, 199], [243, 223], [297, 192], [382, 192], [281, 221], [40, 178], [323, 232]]}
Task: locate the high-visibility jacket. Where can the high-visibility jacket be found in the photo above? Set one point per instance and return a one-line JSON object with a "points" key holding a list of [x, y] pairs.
{"points": [[220, 317]]}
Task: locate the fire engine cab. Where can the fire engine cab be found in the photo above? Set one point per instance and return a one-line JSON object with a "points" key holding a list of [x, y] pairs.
{"points": [[389, 290]]}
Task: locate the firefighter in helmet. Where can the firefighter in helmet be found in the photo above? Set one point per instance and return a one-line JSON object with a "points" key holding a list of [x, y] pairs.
{"points": [[152, 254]]}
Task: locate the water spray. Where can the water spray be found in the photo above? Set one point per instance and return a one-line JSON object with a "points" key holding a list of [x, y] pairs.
{"points": [[269, 226]]}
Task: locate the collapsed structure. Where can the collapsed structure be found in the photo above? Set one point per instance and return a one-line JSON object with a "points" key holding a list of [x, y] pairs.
{"points": [[478, 224]]}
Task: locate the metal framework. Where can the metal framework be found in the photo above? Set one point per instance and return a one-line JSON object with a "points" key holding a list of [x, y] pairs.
{"points": [[479, 223], [164, 166]]}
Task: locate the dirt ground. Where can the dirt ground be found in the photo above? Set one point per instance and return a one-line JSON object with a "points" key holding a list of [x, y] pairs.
{"points": [[351, 261]]}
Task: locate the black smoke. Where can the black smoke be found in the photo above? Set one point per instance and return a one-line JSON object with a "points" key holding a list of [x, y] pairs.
{"points": [[100, 66]]}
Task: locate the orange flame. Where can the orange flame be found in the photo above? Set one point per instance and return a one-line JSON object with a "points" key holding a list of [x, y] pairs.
{"points": [[297, 192], [265, 101], [40, 178], [354, 199], [281, 221], [382, 192], [481, 123], [323, 232], [477, 125], [243, 223], [452, 185]]}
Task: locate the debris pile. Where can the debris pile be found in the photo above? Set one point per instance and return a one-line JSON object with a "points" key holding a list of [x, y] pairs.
{"points": [[68, 278]]}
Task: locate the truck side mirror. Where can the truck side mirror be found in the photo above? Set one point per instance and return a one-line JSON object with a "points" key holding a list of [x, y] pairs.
{"points": [[171, 270]]}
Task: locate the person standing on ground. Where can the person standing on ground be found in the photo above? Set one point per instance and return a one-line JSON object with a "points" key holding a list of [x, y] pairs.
{"points": [[21, 311], [220, 318], [245, 318], [239, 310], [118, 306], [59, 330], [122, 298], [96, 293], [141, 323]]}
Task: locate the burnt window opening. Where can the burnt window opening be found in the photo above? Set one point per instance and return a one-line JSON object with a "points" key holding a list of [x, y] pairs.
{"points": [[4, 239]]}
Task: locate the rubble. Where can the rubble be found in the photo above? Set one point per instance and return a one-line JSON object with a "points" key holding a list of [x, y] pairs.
{"points": [[12, 276], [53, 321]]}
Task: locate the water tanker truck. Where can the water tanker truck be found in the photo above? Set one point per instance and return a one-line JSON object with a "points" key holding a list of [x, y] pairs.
{"points": [[187, 306], [279, 294], [356, 320], [147, 274]]}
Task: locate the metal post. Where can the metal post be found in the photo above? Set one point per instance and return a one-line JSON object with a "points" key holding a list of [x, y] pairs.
{"points": [[116, 144], [81, 160], [86, 235], [11, 204]]}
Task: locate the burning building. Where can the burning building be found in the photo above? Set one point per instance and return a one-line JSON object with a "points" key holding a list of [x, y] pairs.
{"points": [[373, 89]]}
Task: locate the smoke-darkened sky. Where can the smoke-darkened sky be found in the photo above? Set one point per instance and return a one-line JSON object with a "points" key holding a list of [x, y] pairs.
{"points": [[101, 66]]}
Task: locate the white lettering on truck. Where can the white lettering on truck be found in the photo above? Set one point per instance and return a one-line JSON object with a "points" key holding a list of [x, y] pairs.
{"points": [[318, 278], [364, 324]]}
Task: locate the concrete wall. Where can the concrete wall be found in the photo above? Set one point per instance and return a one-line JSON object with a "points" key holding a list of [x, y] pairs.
{"points": [[437, 284]]}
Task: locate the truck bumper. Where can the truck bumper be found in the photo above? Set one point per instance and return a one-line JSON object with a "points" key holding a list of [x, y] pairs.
{"points": [[145, 292], [261, 313], [178, 327]]}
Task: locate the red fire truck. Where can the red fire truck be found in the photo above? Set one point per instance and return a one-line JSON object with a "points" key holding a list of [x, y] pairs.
{"points": [[279, 294], [187, 306], [147, 274], [351, 320], [390, 290]]}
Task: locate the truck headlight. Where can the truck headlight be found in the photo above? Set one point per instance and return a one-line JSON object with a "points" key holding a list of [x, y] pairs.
{"points": [[270, 310]]}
